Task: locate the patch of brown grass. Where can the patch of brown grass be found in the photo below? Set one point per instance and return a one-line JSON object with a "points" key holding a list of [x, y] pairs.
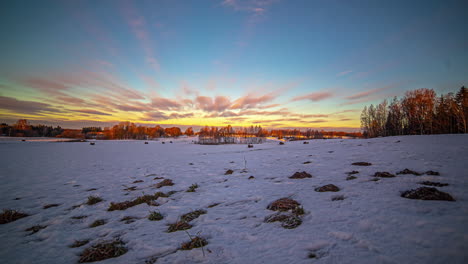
{"points": [[9, 215], [148, 199], [408, 171], [351, 178], [213, 205], [47, 206], [102, 251], [195, 242], [434, 173], [93, 200], [35, 229], [430, 183], [178, 226], [328, 188], [192, 215], [361, 163], [228, 172], [338, 198], [128, 219], [166, 182], [79, 217], [79, 243], [300, 175], [283, 204], [384, 174], [97, 223], [138, 181], [427, 193], [288, 221]]}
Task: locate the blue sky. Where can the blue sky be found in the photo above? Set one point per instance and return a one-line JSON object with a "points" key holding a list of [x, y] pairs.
{"points": [[271, 62]]}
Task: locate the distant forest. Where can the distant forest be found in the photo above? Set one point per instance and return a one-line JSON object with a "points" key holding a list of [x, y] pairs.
{"points": [[128, 130], [419, 112]]}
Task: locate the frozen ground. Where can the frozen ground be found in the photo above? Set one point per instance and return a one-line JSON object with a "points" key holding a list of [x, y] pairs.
{"points": [[373, 224]]}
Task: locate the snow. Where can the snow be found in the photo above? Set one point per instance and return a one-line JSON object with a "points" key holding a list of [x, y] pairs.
{"points": [[373, 224]]}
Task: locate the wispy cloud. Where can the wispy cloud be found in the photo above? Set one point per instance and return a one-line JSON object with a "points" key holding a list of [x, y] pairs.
{"points": [[314, 97], [93, 112], [24, 107], [343, 73], [364, 94]]}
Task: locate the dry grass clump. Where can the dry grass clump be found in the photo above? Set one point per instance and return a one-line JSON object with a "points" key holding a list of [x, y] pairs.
{"points": [[430, 183], [192, 215], [338, 198], [352, 172], [192, 187], [35, 229], [351, 178], [408, 171], [138, 181], [251, 177], [328, 188], [93, 200], [79, 217], [306, 162], [92, 189], [178, 226], [361, 163], [195, 242], [102, 251], [288, 221], [131, 188], [384, 174], [155, 216], [281, 143], [79, 243], [300, 175], [283, 204], [148, 199], [97, 223], [229, 172], [9, 215], [433, 173], [213, 205], [166, 182], [47, 206], [427, 193]]}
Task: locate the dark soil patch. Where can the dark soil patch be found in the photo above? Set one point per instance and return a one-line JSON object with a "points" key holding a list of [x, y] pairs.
{"points": [[92, 189], [228, 172], [158, 178], [300, 175], [192, 215], [375, 179], [166, 182], [288, 221], [352, 172], [79, 243], [408, 171], [433, 173], [79, 217], [47, 206], [129, 219], [178, 226], [9, 215], [251, 177], [195, 242], [35, 229], [327, 188], [102, 251], [97, 223], [305, 142], [306, 162], [213, 205], [129, 189], [361, 163], [283, 204], [93, 200], [192, 188], [148, 199], [338, 198], [384, 174], [430, 183], [281, 143], [138, 181], [351, 178], [250, 146], [427, 193]]}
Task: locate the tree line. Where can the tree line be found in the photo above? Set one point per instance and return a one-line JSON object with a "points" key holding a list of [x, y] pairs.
{"points": [[419, 112]]}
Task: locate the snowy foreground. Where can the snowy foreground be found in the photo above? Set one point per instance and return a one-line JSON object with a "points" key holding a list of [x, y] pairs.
{"points": [[373, 224]]}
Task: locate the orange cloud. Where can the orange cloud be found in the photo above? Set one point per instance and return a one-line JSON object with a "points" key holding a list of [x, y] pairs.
{"points": [[314, 97]]}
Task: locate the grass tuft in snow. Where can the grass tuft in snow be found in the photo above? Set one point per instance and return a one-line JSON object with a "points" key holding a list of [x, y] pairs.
{"points": [[192, 215], [178, 226], [166, 182], [79, 217], [228, 172], [430, 183], [93, 200], [408, 171], [79, 243], [155, 216], [213, 205], [300, 175], [288, 221], [195, 242], [138, 181], [433, 173], [148, 199], [192, 187], [128, 219], [47, 206], [298, 210], [337, 198], [283, 204], [102, 251], [9, 215], [97, 223], [35, 229], [351, 178], [328, 188], [384, 174]]}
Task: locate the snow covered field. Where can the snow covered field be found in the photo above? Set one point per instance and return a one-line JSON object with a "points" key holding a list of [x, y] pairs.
{"points": [[373, 224]]}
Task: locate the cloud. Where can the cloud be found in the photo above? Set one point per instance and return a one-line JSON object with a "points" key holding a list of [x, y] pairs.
{"points": [[165, 104], [364, 94], [24, 107], [93, 112], [252, 101], [217, 104], [177, 115], [155, 116], [314, 97], [343, 73]]}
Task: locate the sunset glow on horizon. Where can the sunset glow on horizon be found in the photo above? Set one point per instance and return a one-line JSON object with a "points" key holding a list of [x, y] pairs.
{"points": [[278, 64]]}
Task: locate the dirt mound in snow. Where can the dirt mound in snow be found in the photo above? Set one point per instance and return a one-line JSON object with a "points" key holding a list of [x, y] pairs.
{"points": [[434, 173], [430, 183], [408, 171], [166, 182], [427, 193], [228, 172], [288, 221], [384, 174], [361, 163], [328, 188], [300, 175], [283, 204]]}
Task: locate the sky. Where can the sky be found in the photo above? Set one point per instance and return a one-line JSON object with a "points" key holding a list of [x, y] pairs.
{"points": [[274, 63]]}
